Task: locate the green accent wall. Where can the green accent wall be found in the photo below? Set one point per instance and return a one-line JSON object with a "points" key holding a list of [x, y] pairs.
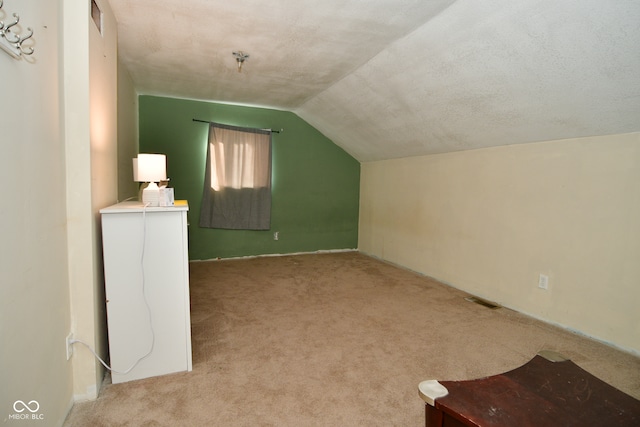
{"points": [[315, 184]]}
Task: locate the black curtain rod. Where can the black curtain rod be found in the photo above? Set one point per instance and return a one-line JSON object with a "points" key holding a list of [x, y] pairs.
{"points": [[206, 121]]}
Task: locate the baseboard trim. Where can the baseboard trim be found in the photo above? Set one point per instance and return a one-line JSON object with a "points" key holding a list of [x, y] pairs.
{"points": [[325, 251]]}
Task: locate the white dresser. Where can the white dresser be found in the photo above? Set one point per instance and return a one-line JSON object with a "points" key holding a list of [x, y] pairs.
{"points": [[146, 270]]}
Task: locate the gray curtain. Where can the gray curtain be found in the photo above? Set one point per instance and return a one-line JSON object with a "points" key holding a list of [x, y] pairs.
{"points": [[237, 181]]}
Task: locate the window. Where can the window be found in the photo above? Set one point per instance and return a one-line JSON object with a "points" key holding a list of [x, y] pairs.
{"points": [[237, 182]]}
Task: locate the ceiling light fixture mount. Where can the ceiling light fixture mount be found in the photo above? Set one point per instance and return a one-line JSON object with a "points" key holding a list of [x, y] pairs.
{"points": [[240, 58]]}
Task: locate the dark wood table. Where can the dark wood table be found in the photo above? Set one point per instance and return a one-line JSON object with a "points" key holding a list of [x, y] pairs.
{"points": [[549, 390]]}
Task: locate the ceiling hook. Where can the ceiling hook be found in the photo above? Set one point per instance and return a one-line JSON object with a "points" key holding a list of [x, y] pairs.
{"points": [[240, 58]]}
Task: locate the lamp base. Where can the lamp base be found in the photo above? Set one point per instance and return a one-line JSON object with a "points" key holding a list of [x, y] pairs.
{"points": [[151, 195]]}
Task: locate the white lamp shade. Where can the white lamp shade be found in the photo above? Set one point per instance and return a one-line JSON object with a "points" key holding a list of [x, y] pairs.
{"points": [[150, 168]]}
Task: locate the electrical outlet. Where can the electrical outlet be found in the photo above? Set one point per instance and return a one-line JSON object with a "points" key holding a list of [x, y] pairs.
{"points": [[69, 343], [543, 282]]}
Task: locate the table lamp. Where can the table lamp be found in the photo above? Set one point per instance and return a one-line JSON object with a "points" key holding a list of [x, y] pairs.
{"points": [[150, 168]]}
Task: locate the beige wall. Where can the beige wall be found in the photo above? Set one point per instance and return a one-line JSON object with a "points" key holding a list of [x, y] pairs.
{"points": [[103, 100], [58, 167], [34, 290], [91, 155], [127, 134], [490, 221]]}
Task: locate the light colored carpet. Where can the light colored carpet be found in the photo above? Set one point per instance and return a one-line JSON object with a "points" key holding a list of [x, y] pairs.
{"points": [[333, 340]]}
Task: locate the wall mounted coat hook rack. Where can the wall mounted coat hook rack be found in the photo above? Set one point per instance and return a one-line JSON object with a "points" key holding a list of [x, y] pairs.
{"points": [[11, 41]]}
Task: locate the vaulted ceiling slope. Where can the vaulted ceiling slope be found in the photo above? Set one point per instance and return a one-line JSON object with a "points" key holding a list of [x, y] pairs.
{"points": [[396, 78]]}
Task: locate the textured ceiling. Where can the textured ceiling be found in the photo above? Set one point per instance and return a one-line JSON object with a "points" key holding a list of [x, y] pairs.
{"points": [[396, 78]]}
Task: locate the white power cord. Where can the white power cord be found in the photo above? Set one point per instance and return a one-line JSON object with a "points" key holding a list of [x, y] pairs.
{"points": [[144, 296]]}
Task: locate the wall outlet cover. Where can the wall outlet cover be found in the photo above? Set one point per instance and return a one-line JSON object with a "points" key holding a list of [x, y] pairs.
{"points": [[69, 344], [543, 282]]}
